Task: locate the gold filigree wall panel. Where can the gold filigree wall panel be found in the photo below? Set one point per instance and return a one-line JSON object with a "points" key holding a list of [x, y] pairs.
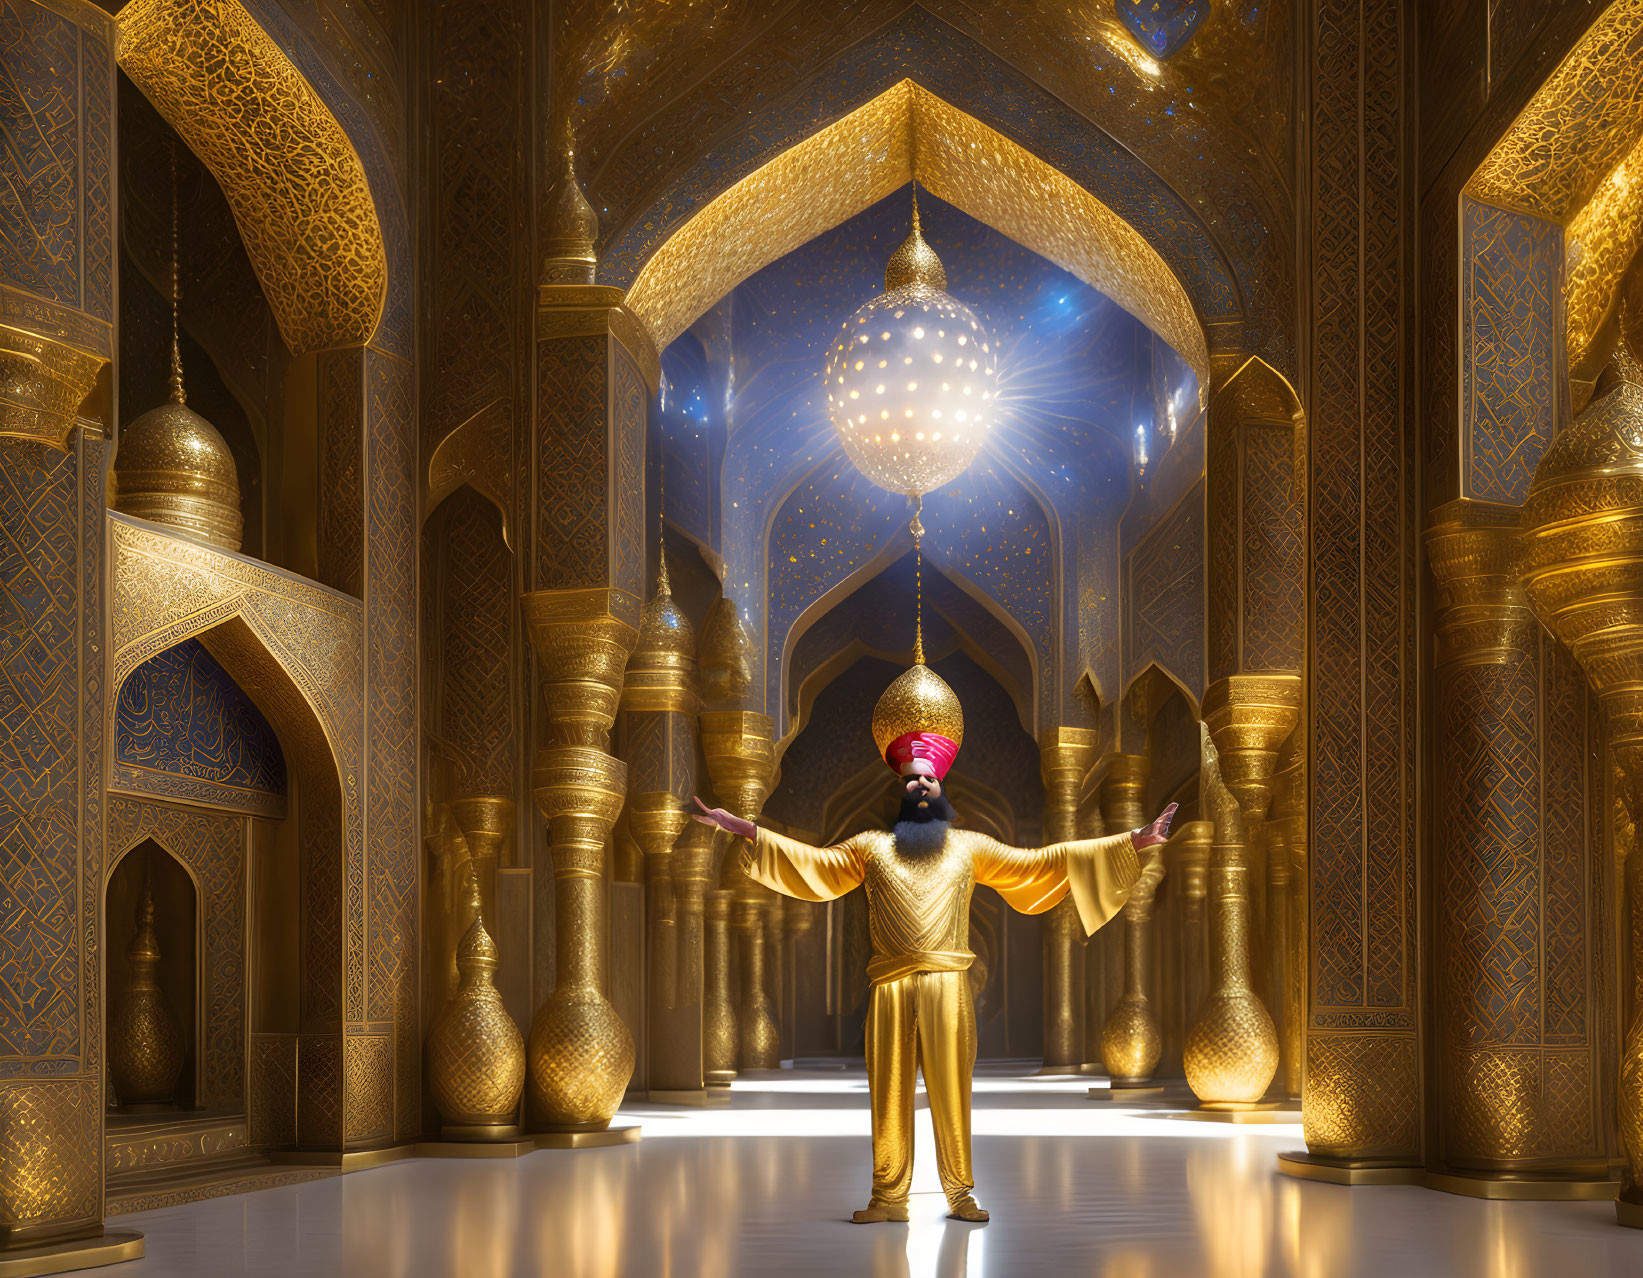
{"points": [[907, 133], [320, 1092], [1574, 156], [271, 1103], [57, 240], [1362, 1096], [51, 1162], [298, 189], [368, 1077], [213, 847]]}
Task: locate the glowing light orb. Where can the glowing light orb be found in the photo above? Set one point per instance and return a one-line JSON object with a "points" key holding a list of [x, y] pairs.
{"points": [[912, 379]]}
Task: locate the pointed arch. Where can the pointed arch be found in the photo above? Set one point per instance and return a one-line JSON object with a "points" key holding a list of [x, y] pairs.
{"points": [[298, 189], [904, 134]]}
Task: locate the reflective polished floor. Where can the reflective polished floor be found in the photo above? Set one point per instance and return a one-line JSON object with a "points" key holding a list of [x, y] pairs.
{"points": [[1076, 1187]]}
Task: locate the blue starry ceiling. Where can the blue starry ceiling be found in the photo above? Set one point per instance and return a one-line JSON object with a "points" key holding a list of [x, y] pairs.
{"points": [[754, 472]]}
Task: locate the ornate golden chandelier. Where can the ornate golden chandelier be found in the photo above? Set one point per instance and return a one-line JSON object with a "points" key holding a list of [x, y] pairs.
{"points": [[912, 377]]}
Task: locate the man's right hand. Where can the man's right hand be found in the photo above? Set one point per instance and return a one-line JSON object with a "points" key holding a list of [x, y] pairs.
{"points": [[727, 821]]}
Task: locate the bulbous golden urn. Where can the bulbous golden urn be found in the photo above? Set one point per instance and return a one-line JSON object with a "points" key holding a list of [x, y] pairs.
{"points": [[581, 1059], [476, 1055], [1232, 1050], [145, 1039], [1130, 1041]]}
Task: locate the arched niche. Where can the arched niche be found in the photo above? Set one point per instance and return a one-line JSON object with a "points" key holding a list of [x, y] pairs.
{"points": [[149, 869], [468, 658], [291, 647], [184, 730]]}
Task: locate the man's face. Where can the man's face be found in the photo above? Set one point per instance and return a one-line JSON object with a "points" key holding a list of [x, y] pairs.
{"points": [[921, 789]]}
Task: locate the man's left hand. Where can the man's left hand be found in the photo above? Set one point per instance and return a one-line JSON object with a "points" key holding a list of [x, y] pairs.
{"points": [[1152, 835]]}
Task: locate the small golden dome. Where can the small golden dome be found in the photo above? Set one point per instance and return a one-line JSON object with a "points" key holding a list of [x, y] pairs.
{"points": [[915, 262], [661, 673], [174, 468], [664, 630], [919, 700], [727, 656]]}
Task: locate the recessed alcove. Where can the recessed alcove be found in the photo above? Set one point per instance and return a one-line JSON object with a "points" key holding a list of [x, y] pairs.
{"points": [[149, 871]]}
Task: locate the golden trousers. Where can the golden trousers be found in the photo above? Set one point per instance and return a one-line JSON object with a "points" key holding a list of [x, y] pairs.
{"points": [[926, 1018]]}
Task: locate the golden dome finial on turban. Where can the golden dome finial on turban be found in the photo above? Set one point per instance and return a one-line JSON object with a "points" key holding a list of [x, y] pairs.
{"points": [[919, 703]]}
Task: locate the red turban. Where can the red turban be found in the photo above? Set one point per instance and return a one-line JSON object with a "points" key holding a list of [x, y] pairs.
{"points": [[926, 753]]}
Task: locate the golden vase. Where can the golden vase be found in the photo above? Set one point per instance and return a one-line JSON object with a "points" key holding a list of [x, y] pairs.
{"points": [[580, 1053], [476, 1055], [1131, 1040], [145, 1039], [1231, 1052]]}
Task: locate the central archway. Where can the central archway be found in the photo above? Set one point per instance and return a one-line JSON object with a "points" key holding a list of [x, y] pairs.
{"points": [[908, 133]]}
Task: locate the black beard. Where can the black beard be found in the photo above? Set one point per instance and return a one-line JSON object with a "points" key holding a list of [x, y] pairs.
{"points": [[936, 809]]}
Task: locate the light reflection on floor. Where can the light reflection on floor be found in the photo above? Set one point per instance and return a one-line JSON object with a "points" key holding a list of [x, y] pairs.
{"points": [[1076, 1187]]}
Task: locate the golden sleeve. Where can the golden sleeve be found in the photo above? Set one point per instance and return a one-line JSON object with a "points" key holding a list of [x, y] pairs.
{"points": [[796, 869], [1100, 873]]}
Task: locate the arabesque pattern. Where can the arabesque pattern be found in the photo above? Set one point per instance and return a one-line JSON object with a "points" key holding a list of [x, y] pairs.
{"points": [[299, 191]]}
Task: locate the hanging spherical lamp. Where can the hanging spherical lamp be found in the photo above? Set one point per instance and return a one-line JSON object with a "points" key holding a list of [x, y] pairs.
{"points": [[912, 378]]}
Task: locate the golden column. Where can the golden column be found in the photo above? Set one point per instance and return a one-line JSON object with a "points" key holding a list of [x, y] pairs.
{"points": [[658, 736], [692, 879], [57, 309], [1232, 1050], [800, 919], [581, 1054], [1091, 826], [1282, 829], [740, 749], [1065, 756], [1494, 866], [1582, 566], [719, 1039], [1123, 797], [595, 370]]}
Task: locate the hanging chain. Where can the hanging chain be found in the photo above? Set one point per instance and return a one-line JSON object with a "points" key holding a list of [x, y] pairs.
{"points": [[918, 583], [662, 585], [177, 395]]}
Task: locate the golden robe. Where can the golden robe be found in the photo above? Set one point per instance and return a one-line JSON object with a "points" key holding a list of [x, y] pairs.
{"points": [[918, 918]]}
